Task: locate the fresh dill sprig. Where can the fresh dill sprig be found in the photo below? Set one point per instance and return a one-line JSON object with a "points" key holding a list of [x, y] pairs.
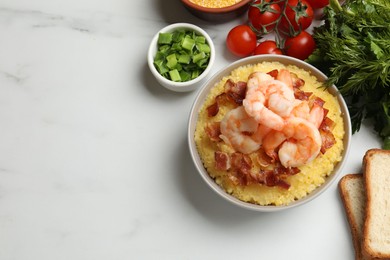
{"points": [[353, 49]]}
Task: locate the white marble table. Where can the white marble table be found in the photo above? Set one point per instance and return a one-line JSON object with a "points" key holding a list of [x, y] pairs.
{"points": [[94, 161]]}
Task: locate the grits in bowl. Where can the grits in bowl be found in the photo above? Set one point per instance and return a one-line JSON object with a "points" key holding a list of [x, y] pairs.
{"points": [[259, 176]]}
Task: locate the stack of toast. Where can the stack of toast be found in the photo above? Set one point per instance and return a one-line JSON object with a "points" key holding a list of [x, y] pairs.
{"points": [[366, 199]]}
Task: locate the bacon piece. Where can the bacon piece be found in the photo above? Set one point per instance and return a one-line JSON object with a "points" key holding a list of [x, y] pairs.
{"points": [[235, 92], [263, 159], [328, 140], [327, 124], [229, 85], [283, 184], [296, 81], [222, 161], [213, 109], [273, 73], [326, 111], [283, 171], [241, 162], [243, 174], [317, 101], [302, 95], [213, 131], [242, 166], [270, 179], [221, 98]]}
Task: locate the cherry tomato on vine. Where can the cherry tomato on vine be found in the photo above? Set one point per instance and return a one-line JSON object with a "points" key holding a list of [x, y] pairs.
{"points": [[299, 16], [316, 4], [241, 40], [263, 15], [300, 46], [267, 47]]}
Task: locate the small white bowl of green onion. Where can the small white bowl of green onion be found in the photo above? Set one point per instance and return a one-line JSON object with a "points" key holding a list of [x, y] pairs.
{"points": [[180, 56]]}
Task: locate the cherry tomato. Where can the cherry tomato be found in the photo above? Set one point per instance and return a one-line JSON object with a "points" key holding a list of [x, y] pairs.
{"points": [[241, 40], [262, 15], [299, 16], [316, 4], [300, 46], [267, 47]]}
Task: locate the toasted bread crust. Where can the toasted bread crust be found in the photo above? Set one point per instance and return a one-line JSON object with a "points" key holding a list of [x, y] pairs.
{"points": [[368, 183], [347, 202]]}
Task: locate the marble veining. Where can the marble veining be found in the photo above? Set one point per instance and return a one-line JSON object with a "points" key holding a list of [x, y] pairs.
{"points": [[85, 22], [13, 77]]}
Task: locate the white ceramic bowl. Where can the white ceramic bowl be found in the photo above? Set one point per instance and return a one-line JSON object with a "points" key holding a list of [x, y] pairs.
{"points": [[226, 71], [180, 86]]}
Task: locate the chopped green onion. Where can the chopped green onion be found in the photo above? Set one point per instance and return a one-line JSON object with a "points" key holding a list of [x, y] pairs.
{"points": [[202, 63], [161, 67], [178, 35], [165, 38], [202, 47], [188, 43], [198, 57], [185, 76], [185, 58], [182, 55], [176, 46], [174, 74], [200, 39], [159, 56], [195, 74], [171, 61], [164, 49]]}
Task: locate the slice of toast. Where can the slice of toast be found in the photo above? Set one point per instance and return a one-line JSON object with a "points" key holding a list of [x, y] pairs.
{"points": [[352, 193], [376, 230]]}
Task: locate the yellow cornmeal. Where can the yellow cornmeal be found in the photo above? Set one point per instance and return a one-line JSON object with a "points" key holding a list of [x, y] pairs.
{"points": [[310, 177], [216, 3]]}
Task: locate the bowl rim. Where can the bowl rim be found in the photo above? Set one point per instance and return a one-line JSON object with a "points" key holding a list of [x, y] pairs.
{"points": [[217, 10], [200, 98], [179, 86]]}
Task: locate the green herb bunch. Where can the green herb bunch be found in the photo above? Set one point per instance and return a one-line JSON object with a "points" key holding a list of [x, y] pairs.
{"points": [[353, 49]]}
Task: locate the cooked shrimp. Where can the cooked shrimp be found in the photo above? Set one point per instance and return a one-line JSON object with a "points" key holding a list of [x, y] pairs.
{"points": [[314, 115], [272, 141], [256, 78], [241, 131], [268, 100], [302, 145], [301, 110], [281, 98], [285, 76], [317, 114]]}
